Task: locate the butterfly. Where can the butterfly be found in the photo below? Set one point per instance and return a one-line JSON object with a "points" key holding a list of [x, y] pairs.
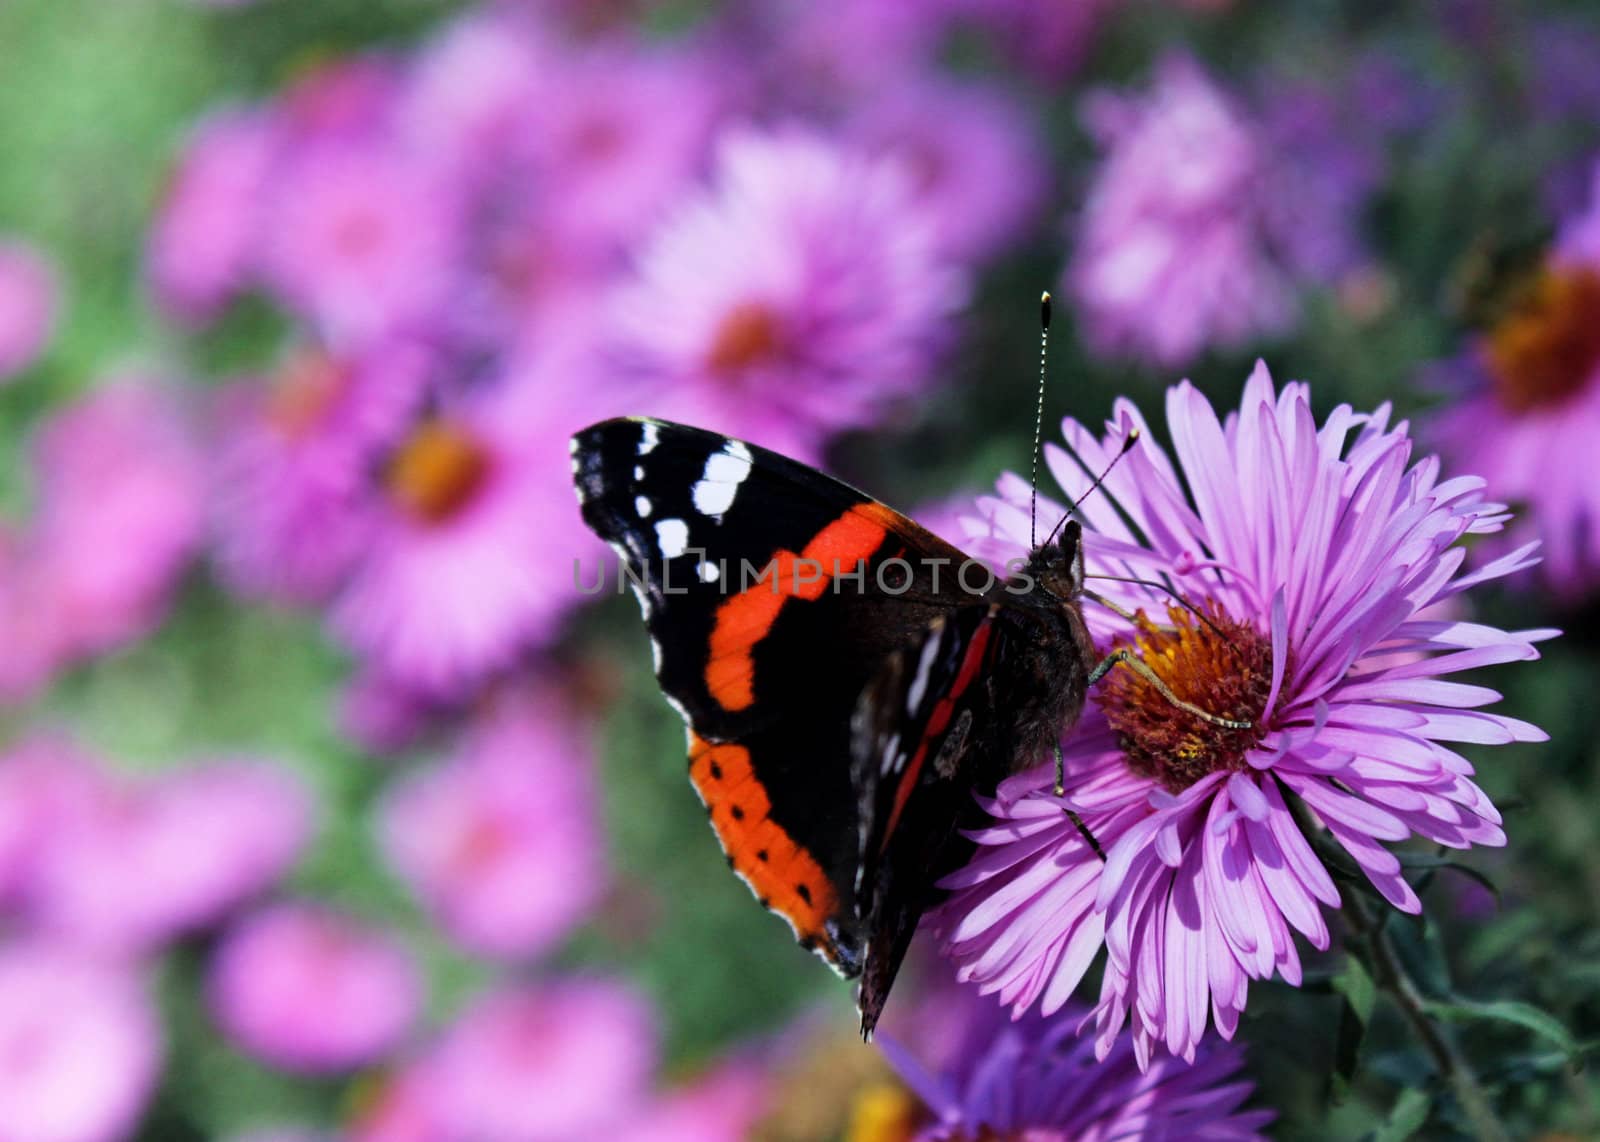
{"points": [[847, 677]]}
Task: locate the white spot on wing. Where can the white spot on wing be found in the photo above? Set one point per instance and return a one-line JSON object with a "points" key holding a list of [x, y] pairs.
{"points": [[638, 471], [650, 437], [919, 684], [718, 485], [892, 760], [673, 536], [641, 504], [709, 572]]}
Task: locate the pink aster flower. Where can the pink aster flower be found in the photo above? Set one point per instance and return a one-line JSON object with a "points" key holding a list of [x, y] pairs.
{"points": [[1171, 255], [471, 97], [1051, 39], [564, 1061], [794, 298], [311, 990], [293, 501], [976, 162], [44, 781], [470, 560], [128, 865], [28, 300], [80, 1046], [723, 1106], [28, 628], [203, 245], [1035, 1079], [119, 513], [1307, 554], [617, 130], [1529, 407], [502, 843], [361, 239], [836, 53]]}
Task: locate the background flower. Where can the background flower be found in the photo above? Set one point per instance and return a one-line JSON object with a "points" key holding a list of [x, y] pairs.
{"points": [[307, 989], [80, 1046], [28, 300], [1528, 401]]}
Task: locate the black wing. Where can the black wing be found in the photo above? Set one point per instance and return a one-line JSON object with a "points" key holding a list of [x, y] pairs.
{"points": [[916, 729], [759, 580]]}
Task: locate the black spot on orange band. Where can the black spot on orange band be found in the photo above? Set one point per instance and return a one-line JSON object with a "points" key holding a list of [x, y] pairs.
{"points": [[783, 876]]}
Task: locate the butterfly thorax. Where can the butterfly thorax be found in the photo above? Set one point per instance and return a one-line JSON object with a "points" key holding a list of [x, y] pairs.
{"points": [[1041, 678]]}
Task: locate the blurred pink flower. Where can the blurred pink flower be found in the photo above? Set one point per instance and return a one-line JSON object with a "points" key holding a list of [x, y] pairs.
{"points": [[119, 514], [1050, 39], [311, 990], [129, 865], [383, 717], [203, 245], [1171, 257], [976, 162], [399, 1106], [33, 651], [723, 1106], [502, 843], [29, 297], [618, 129], [361, 239], [471, 100], [294, 502], [794, 298], [80, 1046], [343, 100], [550, 1064], [808, 55], [44, 781], [1528, 408], [471, 560]]}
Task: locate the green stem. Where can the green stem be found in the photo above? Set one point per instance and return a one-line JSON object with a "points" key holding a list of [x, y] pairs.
{"points": [[1392, 978]]}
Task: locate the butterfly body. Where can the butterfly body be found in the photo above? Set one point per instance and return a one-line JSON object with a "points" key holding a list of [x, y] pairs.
{"points": [[848, 679]]}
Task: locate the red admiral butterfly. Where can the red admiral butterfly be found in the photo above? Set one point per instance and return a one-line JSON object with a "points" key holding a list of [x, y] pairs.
{"points": [[847, 677]]}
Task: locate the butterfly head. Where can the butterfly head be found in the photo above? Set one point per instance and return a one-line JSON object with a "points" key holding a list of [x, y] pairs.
{"points": [[1057, 565]]}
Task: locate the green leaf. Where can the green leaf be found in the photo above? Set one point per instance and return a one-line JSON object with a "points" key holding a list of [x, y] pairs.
{"points": [[1354, 982], [1407, 1116], [1523, 1015]]}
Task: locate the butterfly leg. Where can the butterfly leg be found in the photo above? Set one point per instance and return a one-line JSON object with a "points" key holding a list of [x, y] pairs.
{"points": [[1077, 821], [1125, 657], [1118, 609]]}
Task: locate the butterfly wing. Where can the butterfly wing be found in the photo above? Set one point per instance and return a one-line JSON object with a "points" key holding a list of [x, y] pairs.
{"points": [[759, 578], [917, 726]]}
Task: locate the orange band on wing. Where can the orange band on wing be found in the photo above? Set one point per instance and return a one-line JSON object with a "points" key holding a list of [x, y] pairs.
{"points": [[784, 876], [744, 619]]}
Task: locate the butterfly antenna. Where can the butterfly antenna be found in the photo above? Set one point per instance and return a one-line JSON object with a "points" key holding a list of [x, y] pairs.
{"points": [[1127, 446], [1038, 418]]}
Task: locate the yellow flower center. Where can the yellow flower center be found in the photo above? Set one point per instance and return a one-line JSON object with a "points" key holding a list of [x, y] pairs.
{"points": [[748, 334], [1548, 345], [436, 472], [883, 1112], [1221, 666]]}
